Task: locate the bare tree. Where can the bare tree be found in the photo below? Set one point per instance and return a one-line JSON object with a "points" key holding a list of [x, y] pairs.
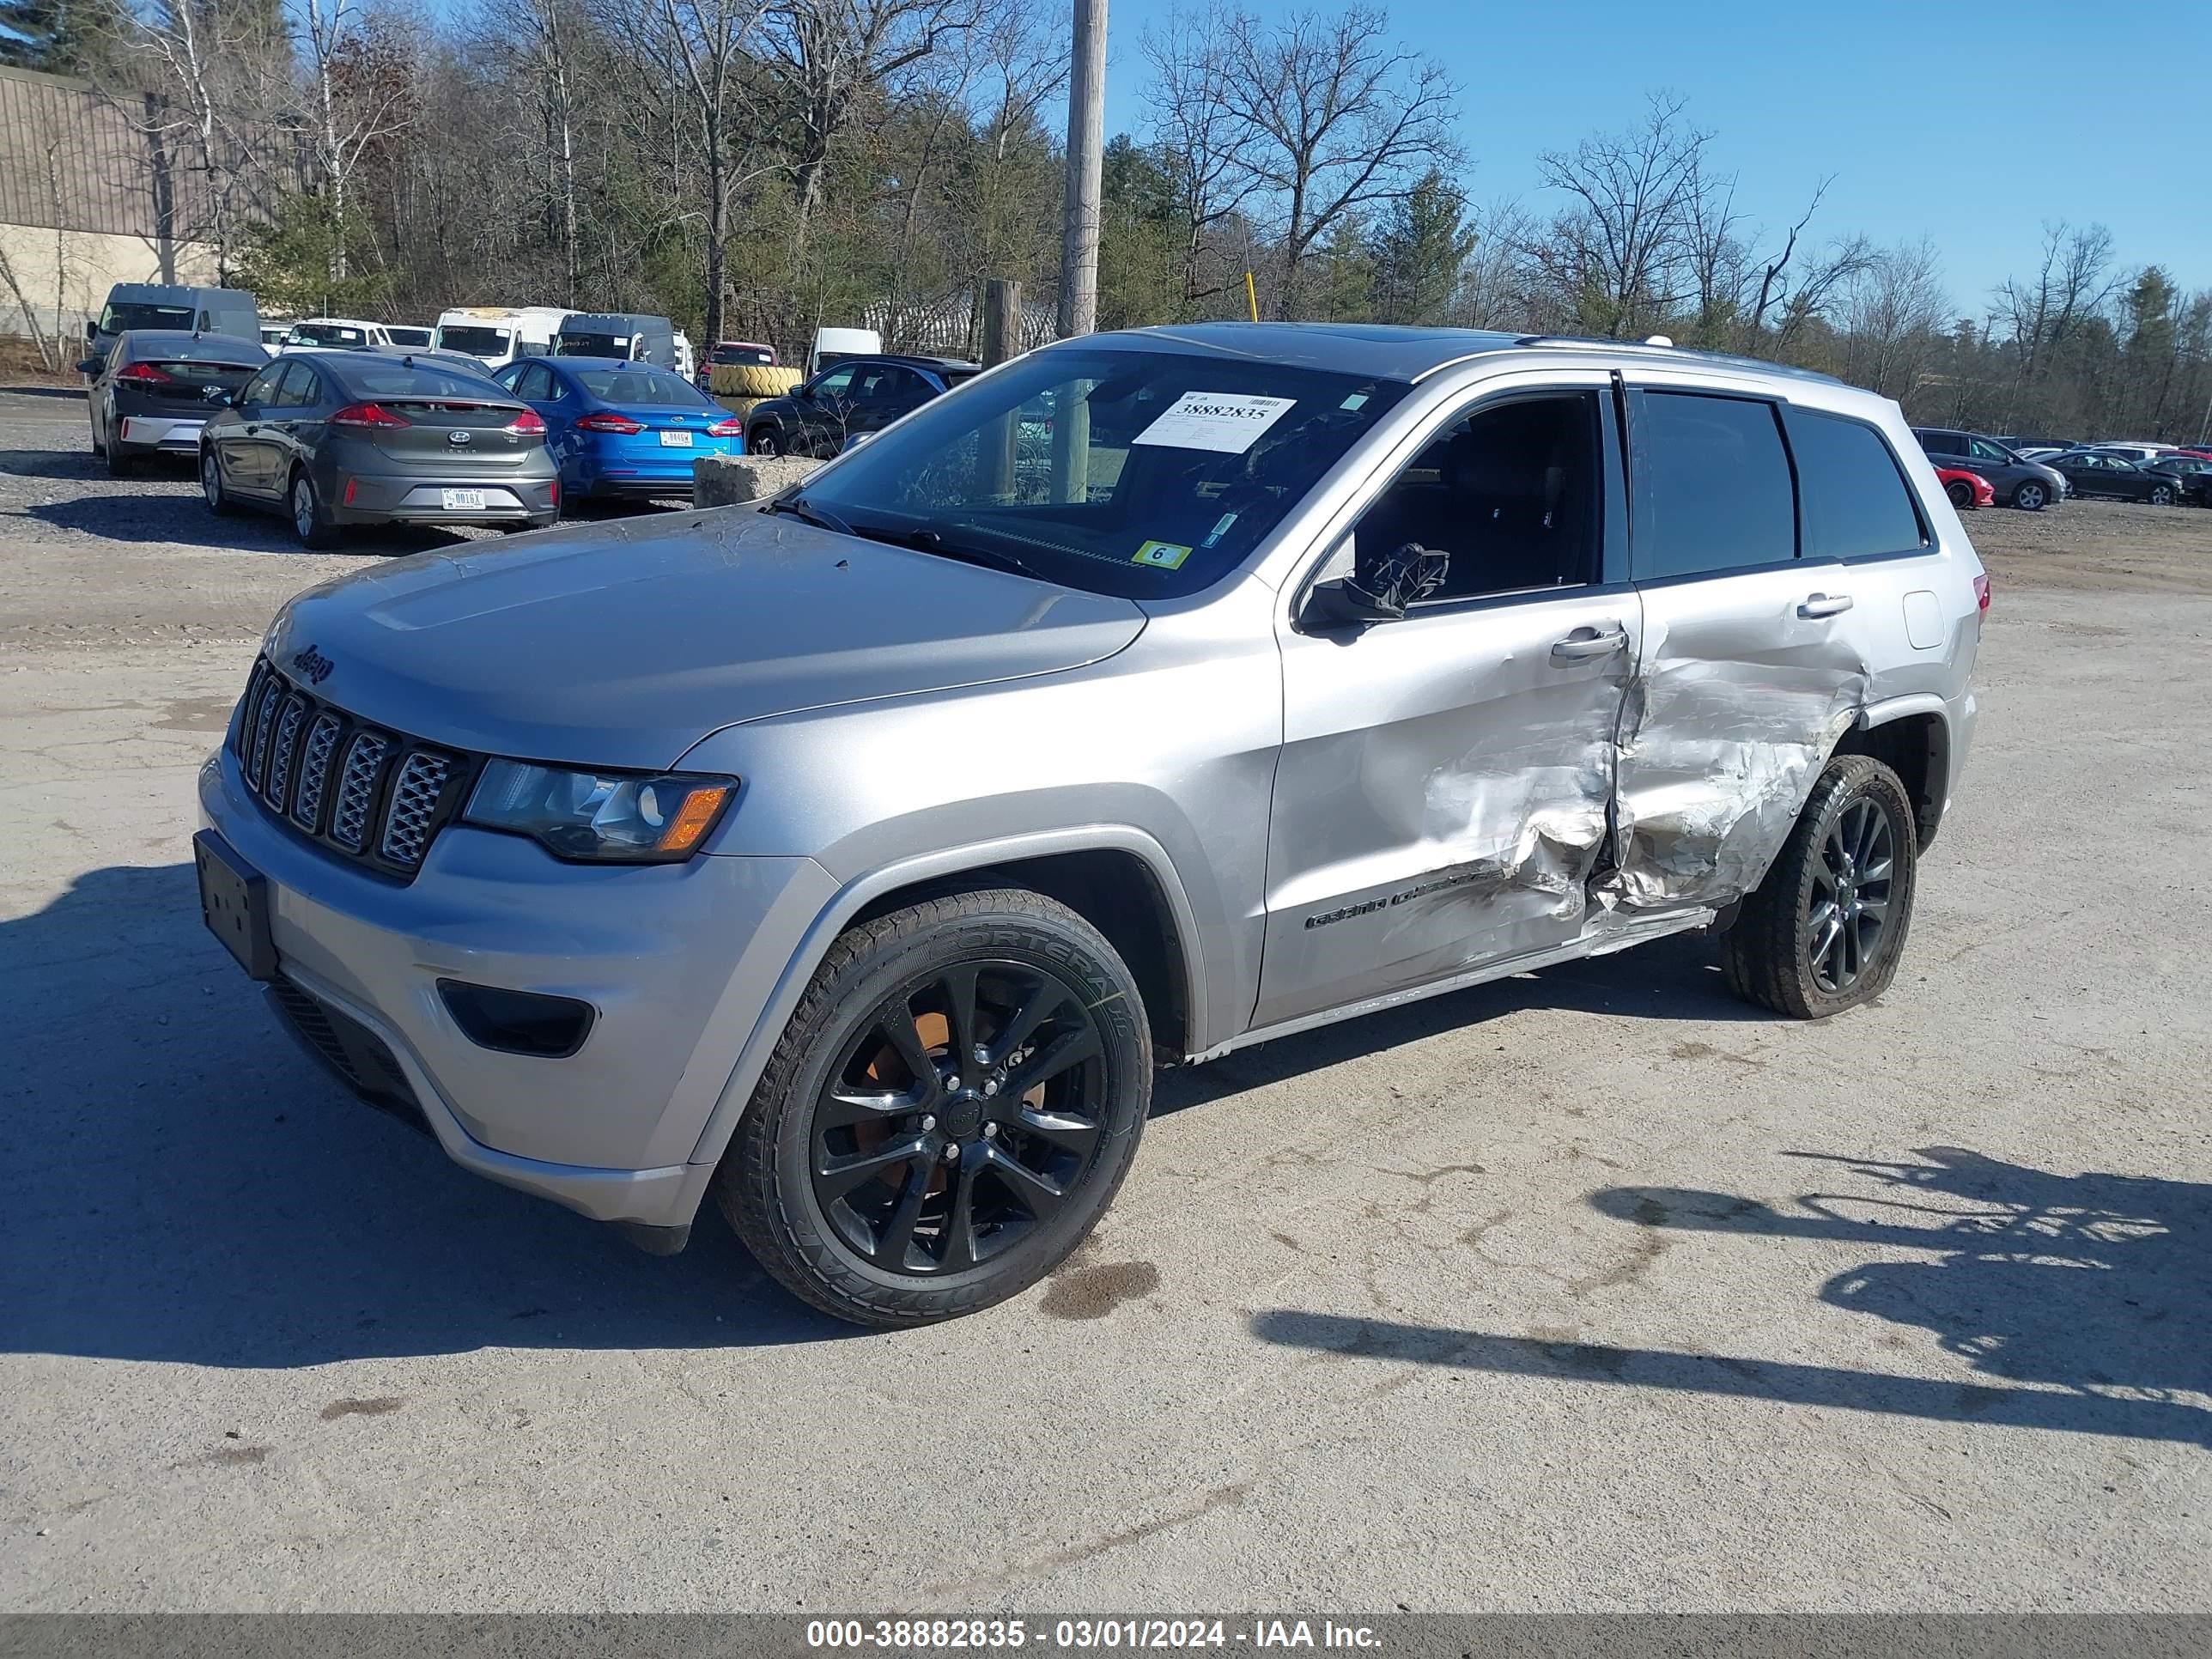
{"points": [[1192, 128], [1896, 317], [357, 94], [2073, 281], [709, 47], [1621, 255], [1333, 119], [826, 56]]}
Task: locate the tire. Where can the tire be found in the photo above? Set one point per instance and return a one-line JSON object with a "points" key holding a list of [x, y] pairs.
{"points": [[120, 465], [881, 1249], [304, 505], [764, 441], [2162, 495], [752, 379], [211, 486], [1961, 497], [1773, 956], [2031, 496]]}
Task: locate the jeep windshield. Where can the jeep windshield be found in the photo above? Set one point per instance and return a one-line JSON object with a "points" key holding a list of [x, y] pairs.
{"points": [[1145, 474]]}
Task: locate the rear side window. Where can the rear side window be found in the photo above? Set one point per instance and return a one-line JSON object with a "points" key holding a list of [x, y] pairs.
{"points": [[1942, 443], [1855, 502], [1712, 487], [299, 388]]}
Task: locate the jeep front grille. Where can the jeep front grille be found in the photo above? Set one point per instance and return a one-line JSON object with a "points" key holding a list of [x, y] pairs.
{"points": [[376, 797]]}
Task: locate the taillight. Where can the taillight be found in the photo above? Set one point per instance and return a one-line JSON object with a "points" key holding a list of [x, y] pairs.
{"points": [[1981, 593], [729, 429], [530, 422], [368, 415], [606, 420], [145, 375]]}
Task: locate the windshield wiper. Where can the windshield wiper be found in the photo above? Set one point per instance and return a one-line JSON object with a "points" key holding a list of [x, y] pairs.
{"points": [[799, 508]]}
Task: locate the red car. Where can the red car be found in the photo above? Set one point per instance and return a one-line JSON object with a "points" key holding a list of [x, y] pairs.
{"points": [[1966, 489]]}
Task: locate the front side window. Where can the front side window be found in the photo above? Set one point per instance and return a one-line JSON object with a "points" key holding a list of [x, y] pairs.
{"points": [[1983, 450], [1512, 492], [1712, 487], [1149, 474], [1854, 500], [835, 384]]}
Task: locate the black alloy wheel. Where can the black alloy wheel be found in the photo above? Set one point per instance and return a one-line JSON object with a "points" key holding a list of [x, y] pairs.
{"points": [[1826, 926], [959, 1117], [1848, 905], [951, 1108]]}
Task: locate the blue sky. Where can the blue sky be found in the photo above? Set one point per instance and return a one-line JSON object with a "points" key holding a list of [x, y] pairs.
{"points": [[1970, 127]]}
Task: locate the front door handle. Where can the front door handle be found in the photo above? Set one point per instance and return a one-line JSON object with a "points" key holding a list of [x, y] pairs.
{"points": [[1587, 643], [1817, 606]]}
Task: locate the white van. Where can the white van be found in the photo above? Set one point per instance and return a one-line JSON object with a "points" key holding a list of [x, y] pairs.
{"points": [[322, 333], [834, 345], [496, 335]]}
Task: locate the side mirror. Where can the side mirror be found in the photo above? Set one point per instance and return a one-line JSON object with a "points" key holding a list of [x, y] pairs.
{"points": [[215, 394], [90, 366], [1379, 590], [91, 332]]}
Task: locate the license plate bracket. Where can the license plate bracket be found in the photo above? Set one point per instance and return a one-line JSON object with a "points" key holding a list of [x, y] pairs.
{"points": [[235, 904], [464, 501], [676, 440]]}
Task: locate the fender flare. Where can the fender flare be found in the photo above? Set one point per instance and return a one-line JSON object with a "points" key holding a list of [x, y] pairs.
{"points": [[857, 894]]}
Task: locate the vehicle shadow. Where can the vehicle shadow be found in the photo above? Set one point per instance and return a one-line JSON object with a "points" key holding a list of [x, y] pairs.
{"points": [[180, 519], [1674, 978], [183, 1183], [2086, 1294]]}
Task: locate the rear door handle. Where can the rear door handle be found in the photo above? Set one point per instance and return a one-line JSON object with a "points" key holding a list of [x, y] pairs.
{"points": [[1817, 606], [1587, 643]]}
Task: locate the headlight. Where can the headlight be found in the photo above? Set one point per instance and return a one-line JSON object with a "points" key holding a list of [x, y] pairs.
{"points": [[610, 817]]}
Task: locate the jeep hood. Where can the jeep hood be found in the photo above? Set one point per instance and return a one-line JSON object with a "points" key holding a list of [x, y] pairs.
{"points": [[622, 644]]}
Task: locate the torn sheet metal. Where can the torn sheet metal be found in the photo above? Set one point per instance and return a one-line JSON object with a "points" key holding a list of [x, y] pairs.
{"points": [[1722, 738], [1441, 800]]}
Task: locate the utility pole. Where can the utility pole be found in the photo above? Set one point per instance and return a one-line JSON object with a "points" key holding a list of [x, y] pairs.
{"points": [[1086, 149]]}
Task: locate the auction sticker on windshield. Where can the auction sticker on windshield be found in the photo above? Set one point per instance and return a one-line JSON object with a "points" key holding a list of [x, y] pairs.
{"points": [[1225, 420], [1164, 556]]}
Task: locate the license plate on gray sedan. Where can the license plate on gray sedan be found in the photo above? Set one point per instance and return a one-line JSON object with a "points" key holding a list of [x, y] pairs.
{"points": [[676, 440], [464, 501]]}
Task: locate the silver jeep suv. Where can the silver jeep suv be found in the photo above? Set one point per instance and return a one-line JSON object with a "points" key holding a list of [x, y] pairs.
{"points": [[858, 858]]}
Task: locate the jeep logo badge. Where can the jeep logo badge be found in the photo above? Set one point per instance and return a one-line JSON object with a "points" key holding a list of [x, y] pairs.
{"points": [[313, 664]]}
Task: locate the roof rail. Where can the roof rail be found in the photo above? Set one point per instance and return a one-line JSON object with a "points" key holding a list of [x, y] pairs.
{"points": [[1660, 346]]}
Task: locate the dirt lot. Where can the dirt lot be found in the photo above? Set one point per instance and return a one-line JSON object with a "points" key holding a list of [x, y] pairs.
{"points": [[1592, 1289]]}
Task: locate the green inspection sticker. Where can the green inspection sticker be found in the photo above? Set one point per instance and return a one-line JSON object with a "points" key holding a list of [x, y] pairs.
{"points": [[1162, 555]]}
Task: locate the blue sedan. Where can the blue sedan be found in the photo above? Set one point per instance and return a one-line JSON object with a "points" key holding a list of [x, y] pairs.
{"points": [[620, 428]]}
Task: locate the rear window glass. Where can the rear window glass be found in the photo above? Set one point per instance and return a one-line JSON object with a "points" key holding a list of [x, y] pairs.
{"points": [[1712, 485], [195, 373], [398, 380], [642, 385], [758, 355], [1854, 499], [116, 318], [205, 349], [476, 342]]}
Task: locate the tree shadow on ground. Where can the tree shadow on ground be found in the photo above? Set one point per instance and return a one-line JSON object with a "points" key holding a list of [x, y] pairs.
{"points": [[2087, 1295]]}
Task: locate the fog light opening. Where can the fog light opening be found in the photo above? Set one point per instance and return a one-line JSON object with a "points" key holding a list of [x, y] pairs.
{"points": [[518, 1022]]}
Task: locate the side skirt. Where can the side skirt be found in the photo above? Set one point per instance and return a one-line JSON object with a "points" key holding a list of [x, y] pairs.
{"points": [[1590, 944]]}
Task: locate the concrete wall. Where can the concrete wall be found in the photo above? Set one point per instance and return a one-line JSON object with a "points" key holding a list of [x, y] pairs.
{"points": [[71, 271]]}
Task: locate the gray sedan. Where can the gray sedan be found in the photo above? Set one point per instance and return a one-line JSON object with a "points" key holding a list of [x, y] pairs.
{"points": [[339, 438]]}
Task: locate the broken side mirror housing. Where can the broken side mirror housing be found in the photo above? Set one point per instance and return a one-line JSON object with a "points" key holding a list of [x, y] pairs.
{"points": [[1380, 588]]}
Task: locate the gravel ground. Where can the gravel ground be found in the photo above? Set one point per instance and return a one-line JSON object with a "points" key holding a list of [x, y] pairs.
{"points": [[1592, 1289]]}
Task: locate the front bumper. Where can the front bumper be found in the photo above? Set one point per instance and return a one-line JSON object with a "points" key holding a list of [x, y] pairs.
{"points": [[679, 961]]}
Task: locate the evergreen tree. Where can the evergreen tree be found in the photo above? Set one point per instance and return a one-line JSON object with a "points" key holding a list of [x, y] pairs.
{"points": [[1421, 253]]}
